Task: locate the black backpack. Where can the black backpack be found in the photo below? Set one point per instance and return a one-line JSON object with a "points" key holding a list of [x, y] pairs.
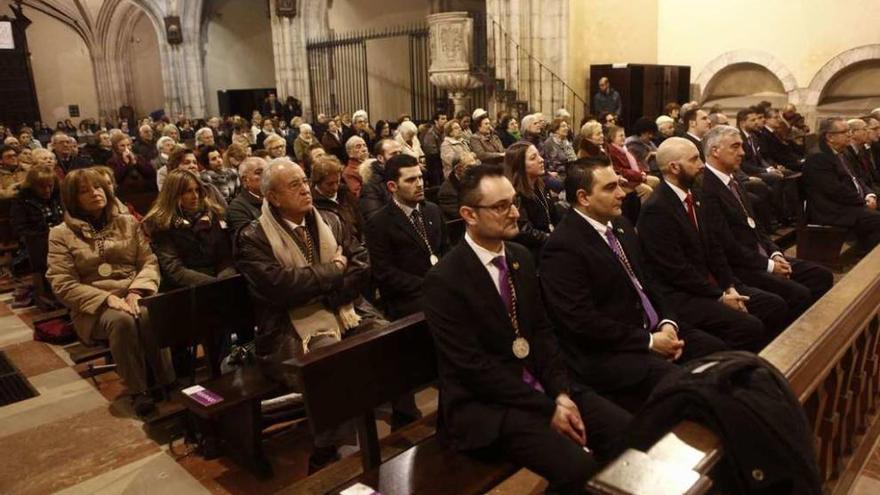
{"points": [[767, 440]]}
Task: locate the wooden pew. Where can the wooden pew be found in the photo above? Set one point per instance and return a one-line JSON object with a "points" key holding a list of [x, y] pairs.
{"points": [[204, 314], [821, 243], [349, 380], [831, 357]]}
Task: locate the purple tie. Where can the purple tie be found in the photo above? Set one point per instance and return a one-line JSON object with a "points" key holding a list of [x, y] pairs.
{"points": [[650, 313], [500, 262]]}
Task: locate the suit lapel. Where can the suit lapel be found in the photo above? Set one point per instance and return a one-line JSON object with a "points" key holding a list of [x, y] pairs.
{"points": [[484, 287], [404, 224], [679, 212], [594, 242]]}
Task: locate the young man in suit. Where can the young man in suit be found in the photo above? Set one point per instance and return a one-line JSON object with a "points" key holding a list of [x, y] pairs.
{"points": [[504, 390], [405, 238], [683, 251], [835, 194], [754, 258], [619, 334]]}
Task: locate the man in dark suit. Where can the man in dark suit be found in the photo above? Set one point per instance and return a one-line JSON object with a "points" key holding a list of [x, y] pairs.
{"points": [[619, 334], [859, 156], [835, 195], [697, 121], [772, 146], [272, 107], [783, 195], [683, 251], [754, 258], [374, 193], [504, 390], [405, 238]]}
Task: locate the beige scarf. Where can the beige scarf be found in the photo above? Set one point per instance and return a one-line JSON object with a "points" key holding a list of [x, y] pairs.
{"points": [[313, 319]]}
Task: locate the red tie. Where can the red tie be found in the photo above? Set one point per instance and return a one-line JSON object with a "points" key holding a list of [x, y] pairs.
{"points": [[692, 213]]}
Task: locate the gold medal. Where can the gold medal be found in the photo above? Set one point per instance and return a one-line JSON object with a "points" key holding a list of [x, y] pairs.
{"points": [[105, 270], [434, 259], [520, 347], [751, 222]]}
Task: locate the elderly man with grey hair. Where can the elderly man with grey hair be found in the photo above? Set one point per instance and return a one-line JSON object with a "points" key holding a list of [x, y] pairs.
{"points": [[752, 255], [145, 146], [303, 141], [357, 151], [204, 137], [305, 278], [859, 155], [245, 207]]}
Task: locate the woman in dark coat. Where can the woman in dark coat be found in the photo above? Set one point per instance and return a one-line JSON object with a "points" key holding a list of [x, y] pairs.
{"points": [[524, 167], [188, 233]]}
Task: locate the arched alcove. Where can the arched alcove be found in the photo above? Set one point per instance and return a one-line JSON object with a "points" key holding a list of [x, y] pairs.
{"points": [[744, 84], [853, 90], [145, 66]]}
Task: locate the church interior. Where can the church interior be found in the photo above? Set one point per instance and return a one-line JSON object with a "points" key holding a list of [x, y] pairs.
{"points": [[244, 247]]}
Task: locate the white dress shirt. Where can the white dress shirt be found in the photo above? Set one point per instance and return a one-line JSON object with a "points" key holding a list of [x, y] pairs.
{"points": [[486, 258]]}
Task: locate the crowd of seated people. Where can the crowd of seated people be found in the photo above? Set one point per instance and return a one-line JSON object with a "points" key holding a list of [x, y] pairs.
{"points": [[329, 224]]}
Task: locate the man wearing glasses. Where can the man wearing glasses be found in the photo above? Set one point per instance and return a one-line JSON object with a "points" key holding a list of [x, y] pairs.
{"points": [[504, 391], [835, 194], [305, 278]]}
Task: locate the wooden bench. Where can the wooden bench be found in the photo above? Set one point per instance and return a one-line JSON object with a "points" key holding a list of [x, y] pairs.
{"points": [[831, 357], [347, 381], [205, 315], [821, 243]]}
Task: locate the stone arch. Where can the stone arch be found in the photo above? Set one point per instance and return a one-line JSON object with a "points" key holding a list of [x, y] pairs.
{"points": [[834, 66], [763, 59]]}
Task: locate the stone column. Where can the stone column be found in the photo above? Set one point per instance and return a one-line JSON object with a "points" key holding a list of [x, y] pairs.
{"points": [[451, 35], [289, 38]]}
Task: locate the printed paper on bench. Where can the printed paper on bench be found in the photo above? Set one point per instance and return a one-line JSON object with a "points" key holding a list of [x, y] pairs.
{"points": [[202, 395]]}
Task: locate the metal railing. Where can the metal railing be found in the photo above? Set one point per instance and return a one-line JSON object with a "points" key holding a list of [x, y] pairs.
{"points": [[519, 76], [339, 71]]}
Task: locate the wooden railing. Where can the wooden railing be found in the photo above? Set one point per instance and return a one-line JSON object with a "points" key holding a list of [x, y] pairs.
{"points": [[830, 357]]}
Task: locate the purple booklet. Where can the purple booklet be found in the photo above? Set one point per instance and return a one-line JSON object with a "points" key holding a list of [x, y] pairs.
{"points": [[202, 395]]}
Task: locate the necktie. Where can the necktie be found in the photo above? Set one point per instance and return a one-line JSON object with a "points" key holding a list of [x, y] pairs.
{"points": [[734, 188], [505, 289], [651, 318], [855, 181], [305, 243], [419, 224], [692, 213]]}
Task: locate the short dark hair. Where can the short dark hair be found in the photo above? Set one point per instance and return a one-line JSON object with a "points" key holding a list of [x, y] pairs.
{"points": [[643, 125], [436, 116], [397, 162], [469, 186], [176, 157], [580, 175], [690, 115], [479, 120], [743, 114], [5, 147], [204, 151]]}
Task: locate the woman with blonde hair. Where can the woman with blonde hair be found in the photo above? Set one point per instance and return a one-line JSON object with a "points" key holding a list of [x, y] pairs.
{"points": [[100, 266], [188, 232], [407, 136]]}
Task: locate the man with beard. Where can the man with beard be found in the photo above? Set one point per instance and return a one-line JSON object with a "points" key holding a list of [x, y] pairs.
{"points": [[683, 251]]}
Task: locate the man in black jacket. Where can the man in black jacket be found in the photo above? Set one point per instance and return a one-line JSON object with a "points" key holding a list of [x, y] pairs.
{"points": [[754, 258], [245, 207], [374, 193], [620, 335], [504, 390], [835, 195], [683, 250], [405, 238]]}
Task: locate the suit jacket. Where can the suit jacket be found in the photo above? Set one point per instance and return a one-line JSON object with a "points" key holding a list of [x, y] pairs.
{"points": [[856, 157], [832, 196], [399, 257], [680, 256], [776, 150], [698, 144], [753, 161], [740, 241], [480, 378], [594, 307]]}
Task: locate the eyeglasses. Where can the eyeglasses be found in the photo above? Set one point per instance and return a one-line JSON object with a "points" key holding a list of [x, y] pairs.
{"points": [[501, 209], [299, 183]]}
